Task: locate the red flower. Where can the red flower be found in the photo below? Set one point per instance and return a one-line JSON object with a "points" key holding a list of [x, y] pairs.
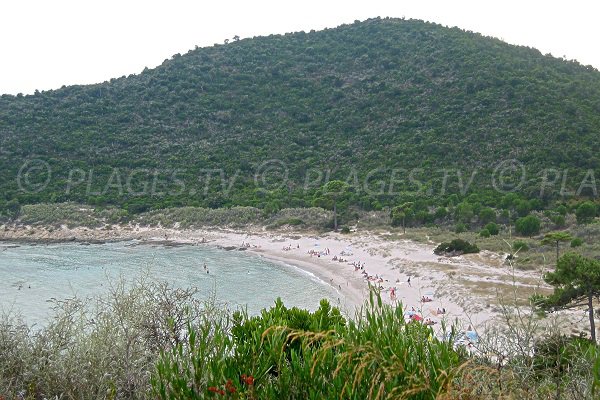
{"points": [[221, 392], [249, 380], [229, 386], [213, 389]]}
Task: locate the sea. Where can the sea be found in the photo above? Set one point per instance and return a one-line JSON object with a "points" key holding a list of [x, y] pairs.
{"points": [[33, 277]]}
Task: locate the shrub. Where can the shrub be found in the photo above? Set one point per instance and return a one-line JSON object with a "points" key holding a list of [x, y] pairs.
{"points": [[487, 215], [441, 213], [576, 242], [586, 212], [456, 247], [484, 233], [558, 220], [291, 354], [104, 348], [520, 245], [492, 228], [460, 228], [528, 226], [345, 229]]}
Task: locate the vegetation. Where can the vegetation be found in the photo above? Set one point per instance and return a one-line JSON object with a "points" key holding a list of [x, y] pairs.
{"points": [[152, 341], [520, 245], [492, 228], [576, 242], [586, 212], [351, 103], [333, 191], [528, 226], [577, 282], [456, 247], [105, 347], [556, 238]]}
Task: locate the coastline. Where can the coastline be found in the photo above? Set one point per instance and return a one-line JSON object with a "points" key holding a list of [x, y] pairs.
{"points": [[465, 287]]}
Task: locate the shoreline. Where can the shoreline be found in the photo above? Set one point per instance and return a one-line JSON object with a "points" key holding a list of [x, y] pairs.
{"points": [[462, 286]]}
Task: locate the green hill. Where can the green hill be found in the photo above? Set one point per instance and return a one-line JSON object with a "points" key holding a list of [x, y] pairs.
{"points": [[359, 101]]}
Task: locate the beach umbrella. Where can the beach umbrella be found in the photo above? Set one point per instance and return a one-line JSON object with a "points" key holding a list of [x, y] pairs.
{"points": [[472, 336], [416, 317]]}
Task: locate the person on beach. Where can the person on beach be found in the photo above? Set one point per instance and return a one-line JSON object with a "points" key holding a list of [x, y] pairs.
{"points": [[409, 281]]}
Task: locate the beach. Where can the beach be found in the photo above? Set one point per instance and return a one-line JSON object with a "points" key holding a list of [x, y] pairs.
{"points": [[468, 289]]}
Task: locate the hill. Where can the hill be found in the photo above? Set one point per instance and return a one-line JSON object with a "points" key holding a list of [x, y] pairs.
{"points": [[224, 125]]}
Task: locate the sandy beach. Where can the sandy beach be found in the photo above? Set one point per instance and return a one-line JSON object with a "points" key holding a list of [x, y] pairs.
{"points": [[468, 288]]}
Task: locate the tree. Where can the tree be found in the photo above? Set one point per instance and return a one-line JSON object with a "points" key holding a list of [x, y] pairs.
{"points": [[557, 237], [464, 212], [399, 214], [522, 208], [586, 212], [576, 282], [528, 226], [487, 215], [334, 191]]}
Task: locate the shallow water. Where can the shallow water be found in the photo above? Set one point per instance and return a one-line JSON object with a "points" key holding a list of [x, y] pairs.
{"points": [[31, 275]]}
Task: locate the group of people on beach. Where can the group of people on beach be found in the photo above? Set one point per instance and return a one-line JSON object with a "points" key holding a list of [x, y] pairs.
{"points": [[318, 253], [340, 259], [372, 279]]}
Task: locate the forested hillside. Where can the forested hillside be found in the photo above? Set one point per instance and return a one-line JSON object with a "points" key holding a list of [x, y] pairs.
{"points": [[360, 100]]}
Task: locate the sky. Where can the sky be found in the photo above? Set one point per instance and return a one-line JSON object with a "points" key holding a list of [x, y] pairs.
{"points": [[47, 44]]}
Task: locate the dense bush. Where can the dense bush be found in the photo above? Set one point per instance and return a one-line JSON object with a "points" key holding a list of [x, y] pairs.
{"points": [[492, 228], [586, 212], [290, 354], [576, 242], [456, 247], [528, 226]]}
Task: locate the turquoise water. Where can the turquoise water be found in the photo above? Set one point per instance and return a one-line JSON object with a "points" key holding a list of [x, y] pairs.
{"points": [[31, 275]]}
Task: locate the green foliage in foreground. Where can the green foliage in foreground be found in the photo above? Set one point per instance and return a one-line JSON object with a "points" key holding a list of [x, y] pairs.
{"points": [[293, 354], [149, 341]]}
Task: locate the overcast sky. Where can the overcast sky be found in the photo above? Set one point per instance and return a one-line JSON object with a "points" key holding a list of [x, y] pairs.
{"points": [[49, 43]]}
